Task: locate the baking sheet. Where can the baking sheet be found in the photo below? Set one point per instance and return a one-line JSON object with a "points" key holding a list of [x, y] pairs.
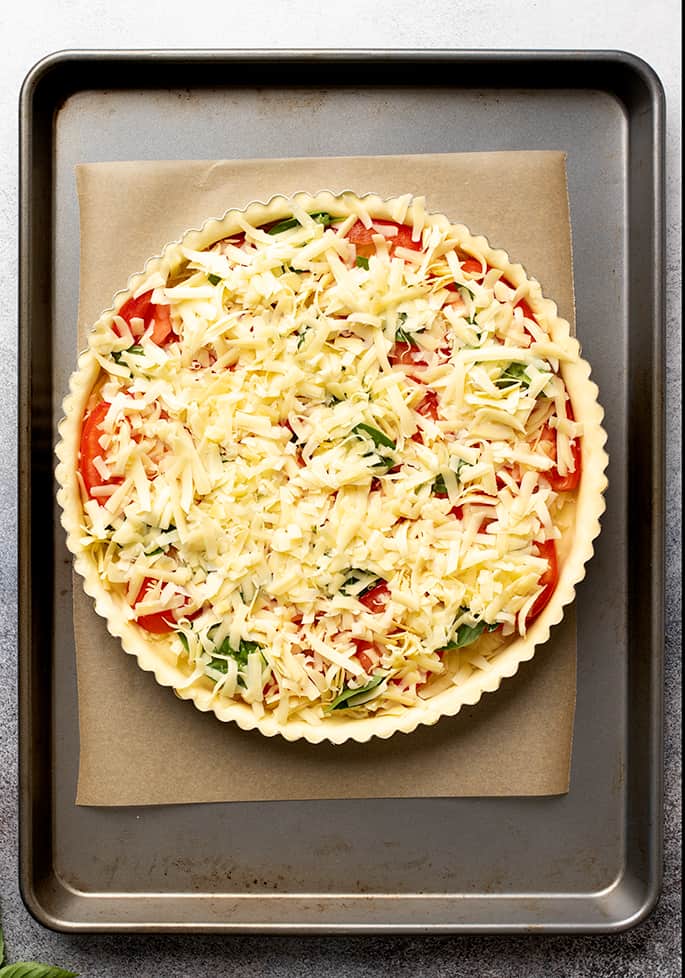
{"points": [[588, 860]]}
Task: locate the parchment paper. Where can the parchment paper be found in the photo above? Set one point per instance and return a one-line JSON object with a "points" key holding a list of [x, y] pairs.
{"points": [[140, 745]]}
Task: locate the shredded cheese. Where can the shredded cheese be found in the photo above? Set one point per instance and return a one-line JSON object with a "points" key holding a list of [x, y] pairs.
{"points": [[309, 420]]}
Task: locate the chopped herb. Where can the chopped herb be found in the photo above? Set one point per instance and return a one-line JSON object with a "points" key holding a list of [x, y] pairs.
{"points": [[184, 641], [349, 698], [302, 336], [439, 488], [514, 373], [401, 336], [362, 262], [356, 577], [465, 288], [467, 635], [378, 437], [221, 665], [214, 279], [321, 217], [225, 649], [153, 553], [136, 350], [402, 317]]}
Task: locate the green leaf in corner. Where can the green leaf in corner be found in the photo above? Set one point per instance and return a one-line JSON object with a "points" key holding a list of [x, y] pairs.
{"points": [[214, 279], [362, 262], [32, 969]]}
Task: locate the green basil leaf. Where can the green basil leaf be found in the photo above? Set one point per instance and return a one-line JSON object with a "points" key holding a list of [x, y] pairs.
{"points": [[356, 577], [342, 700], [136, 349], [240, 654], [321, 217], [401, 336], [32, 969], [467, 635], [362, 262], [439, 488], [378, 437], [214, 279], [514, 373], [285, 225], [184, 641]]}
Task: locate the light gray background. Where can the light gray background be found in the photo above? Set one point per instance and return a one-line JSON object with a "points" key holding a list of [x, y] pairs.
{"points": [[31, 29]]}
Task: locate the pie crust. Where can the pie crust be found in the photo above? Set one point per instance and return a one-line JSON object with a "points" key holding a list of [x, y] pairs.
{"points": [[575, 549]]}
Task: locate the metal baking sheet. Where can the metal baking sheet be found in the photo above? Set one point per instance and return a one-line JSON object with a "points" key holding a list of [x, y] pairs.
{"points": [[586, 861]]}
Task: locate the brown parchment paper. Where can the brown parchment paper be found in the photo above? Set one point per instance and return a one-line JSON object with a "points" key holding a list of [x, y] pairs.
{"points": [[139, 744]]}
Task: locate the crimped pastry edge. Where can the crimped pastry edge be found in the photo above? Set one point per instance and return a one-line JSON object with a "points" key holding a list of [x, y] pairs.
{"points": [[154, 656]]}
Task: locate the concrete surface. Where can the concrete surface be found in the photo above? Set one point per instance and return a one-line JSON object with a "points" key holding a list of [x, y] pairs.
{"points": [[30, 30]]}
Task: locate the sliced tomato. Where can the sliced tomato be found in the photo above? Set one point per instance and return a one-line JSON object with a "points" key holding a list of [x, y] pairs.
{"points": [[162, 328], [428, 407], [362, 237], [408, 355], [548, 579], [143, 308], [376, 598], [137, 307], [363, 649], [90, 448], [473, 267], [548, 440], [161, 622]]}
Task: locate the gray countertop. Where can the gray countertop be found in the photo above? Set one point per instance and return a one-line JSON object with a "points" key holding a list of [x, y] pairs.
{"points": [[31, 30]]}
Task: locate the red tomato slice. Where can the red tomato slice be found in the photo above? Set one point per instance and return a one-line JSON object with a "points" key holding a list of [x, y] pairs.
{"points": [[375, 599], [162, 328], [428, 407], [90, 448], [408, 355], [558, 482], [473, 267], [162, 622], [137, 307], [143, 308], [548, 579], [523, 305], [362, 237], [363, 648]]}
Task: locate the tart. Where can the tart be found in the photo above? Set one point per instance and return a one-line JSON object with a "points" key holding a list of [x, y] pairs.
{"points": [[331, 467]]}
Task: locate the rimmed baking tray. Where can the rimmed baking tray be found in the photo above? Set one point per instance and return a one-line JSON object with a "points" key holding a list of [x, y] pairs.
{"points": [[586, 861]]}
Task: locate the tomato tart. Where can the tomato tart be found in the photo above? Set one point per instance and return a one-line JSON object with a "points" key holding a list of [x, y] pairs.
{"points": [[331, 466]]}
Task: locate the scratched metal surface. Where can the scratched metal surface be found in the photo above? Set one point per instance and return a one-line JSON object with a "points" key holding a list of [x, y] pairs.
{"points": [[586, 860]]}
